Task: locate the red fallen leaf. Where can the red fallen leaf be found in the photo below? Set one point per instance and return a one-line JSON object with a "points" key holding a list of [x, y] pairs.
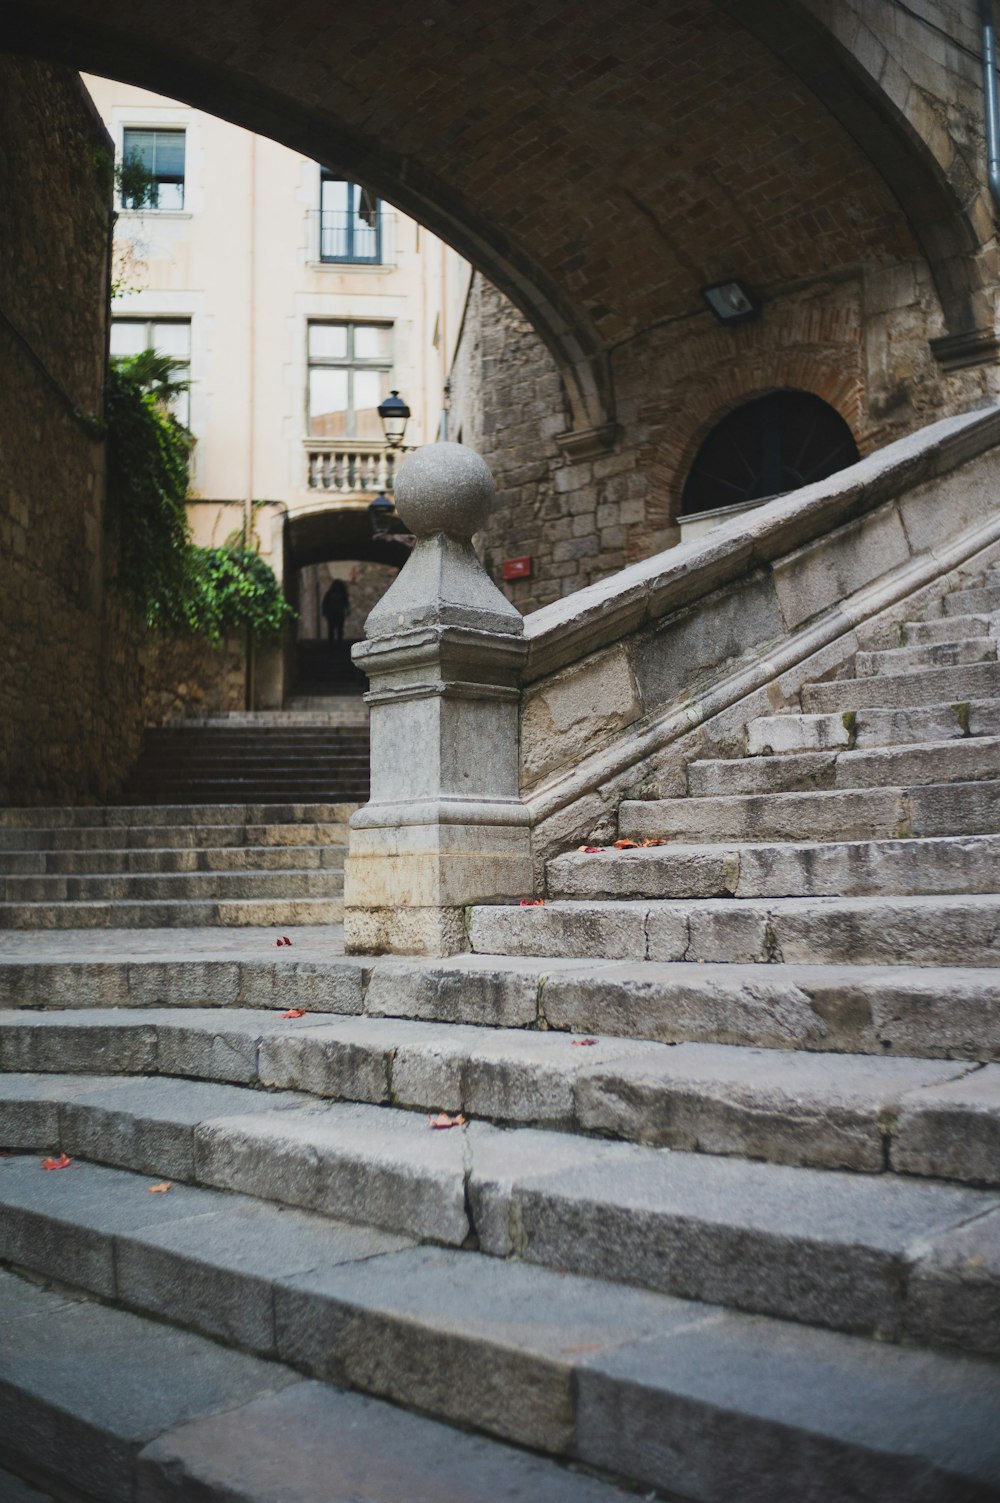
{"points": [[590, 850], [582, 1043], [6, 1153], [286, 939], [282, 940], [532, 902], [443, 1120], [626, 845], [62, 1162], [294, 1012], [159, 1189]]}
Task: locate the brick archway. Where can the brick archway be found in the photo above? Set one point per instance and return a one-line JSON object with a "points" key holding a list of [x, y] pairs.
{"points": [[599, 161]]}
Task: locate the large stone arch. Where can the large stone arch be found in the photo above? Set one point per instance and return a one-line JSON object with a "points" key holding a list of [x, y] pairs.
{"points": [[599, 161]]}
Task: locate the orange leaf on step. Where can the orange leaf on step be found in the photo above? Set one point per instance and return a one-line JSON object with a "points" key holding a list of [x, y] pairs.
{"points": [[443, 1120], [626, 845], [294, 1012], [62, 1162], [647, 843], [159, 1189]]}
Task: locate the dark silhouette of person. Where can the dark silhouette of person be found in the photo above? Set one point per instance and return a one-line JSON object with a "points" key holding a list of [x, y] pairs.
{"points": [[336, 604]]}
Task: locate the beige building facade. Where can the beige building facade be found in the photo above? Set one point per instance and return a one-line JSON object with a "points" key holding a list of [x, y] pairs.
{"points": [[296, 302]]}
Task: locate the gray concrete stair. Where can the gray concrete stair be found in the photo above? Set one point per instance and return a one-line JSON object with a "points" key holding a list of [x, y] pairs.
{"points": [[825, 1110], [819, 1246], [871, 727], [980, 600], [549, 1360], [940, 654], [926, 686], [219, 1423], [166, 913], [929, 809], [950, 628], [974, 757]]}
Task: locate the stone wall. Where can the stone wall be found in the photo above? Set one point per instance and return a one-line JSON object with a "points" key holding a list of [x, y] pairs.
{"points": [[70, 697], [860, 339]]}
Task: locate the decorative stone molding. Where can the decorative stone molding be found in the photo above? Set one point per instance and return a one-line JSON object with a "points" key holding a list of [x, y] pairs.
{"points": [[954, 352], [444, 649], [579, 444]]}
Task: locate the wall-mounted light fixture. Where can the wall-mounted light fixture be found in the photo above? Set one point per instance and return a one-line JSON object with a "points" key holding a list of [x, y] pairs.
{"points": [[381, 513], [731, 302]]}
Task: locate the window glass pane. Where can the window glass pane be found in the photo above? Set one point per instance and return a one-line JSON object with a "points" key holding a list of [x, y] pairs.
{"points": [[334, 194], [180, 405], [168, 146], [371, 342], [172, 339], [369, 389], [328, 341], [128, 336], [141, 144], [169, 196], [328, 402]]}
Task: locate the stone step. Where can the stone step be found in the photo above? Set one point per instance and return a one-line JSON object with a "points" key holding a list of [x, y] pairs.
{"points": [[839, 1111], [929, 686], [972, 758], [895, 660], [949, 628], [889, 692], [983, 600], [183, 791], [193, 913], [931, 809], [171, 886], [867, 727], [824, 1247], [126, 1408], [621, 1378], [231, 858], [170, 837], [181, 814], [828, 931]]}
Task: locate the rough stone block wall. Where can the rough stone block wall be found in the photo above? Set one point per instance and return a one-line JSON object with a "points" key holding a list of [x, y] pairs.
{"points": [[70, 695], [859, 339], [184, 676]]}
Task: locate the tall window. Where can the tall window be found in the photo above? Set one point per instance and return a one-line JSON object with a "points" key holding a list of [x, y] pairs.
{"points": [[161, 154], [349, 369], [350, 221], [167, 336]]}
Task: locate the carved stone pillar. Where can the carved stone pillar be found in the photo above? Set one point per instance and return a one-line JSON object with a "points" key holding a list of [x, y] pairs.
{"points": [[445, 825]]}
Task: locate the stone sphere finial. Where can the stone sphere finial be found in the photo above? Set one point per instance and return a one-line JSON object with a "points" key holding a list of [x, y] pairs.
{"points": [[444, 488]]}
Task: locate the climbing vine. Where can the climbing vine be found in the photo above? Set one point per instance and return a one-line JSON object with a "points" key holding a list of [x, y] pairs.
{"points": [[209, 592]]}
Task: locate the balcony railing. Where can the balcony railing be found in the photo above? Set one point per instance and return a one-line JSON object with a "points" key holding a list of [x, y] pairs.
{"points": [[346, 237], [338, 466]]}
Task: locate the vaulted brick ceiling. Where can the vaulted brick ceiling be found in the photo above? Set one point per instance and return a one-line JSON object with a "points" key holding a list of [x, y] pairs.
{"points": [[601, 160]]}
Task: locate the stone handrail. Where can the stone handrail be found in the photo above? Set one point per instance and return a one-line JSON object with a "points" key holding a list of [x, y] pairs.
{"points": [[495, 739]]}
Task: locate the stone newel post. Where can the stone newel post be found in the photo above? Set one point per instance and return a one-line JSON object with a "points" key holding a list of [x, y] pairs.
{"points": [[445, 825]]}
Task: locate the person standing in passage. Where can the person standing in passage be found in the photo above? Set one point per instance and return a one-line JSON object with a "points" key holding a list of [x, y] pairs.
{"points": [[335, 607]]}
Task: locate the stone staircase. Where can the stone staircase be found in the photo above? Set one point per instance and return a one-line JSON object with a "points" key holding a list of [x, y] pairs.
{"points": [[276, 757], [172, 866], [722, 1221]]}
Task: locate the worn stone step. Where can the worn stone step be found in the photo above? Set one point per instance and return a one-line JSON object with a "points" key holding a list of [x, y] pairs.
{"points": [[928, 686], [550, 1360], [972, 758], [171, 886], [941, 654], [930, 809], [948, 628], [127, 1409], [164, 913], [177, 814], [981, 600], [868, 727], [827, 1110], [908, 930], [231, 858], [170, 837], [949, 865], [826, 1247]]}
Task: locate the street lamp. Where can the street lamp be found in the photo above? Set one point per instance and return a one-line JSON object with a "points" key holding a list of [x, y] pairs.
{"points": [[380, 514], [394, 414]]}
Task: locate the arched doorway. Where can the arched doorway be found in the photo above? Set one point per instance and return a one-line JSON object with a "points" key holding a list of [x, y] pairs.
{"points": [[770, 445]]}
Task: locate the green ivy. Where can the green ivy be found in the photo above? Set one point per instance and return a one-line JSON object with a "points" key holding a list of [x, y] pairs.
{"points": [[209, 592]]}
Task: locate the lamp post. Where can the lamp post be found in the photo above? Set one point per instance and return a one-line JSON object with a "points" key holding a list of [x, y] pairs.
{"points": [[394, 414]]}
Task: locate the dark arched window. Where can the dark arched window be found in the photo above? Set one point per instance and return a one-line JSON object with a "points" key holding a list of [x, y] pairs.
{"points": [[770, 445]]}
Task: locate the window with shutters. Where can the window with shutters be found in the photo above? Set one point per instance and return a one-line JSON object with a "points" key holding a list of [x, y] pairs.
{"points": [[161, 155]]}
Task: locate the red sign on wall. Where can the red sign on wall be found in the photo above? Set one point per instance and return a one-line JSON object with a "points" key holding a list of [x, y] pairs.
{"points": [[516, 568]]}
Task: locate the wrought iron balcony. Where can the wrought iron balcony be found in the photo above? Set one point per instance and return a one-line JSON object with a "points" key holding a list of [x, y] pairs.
{"points": [[347, 237], [346, 467]]}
